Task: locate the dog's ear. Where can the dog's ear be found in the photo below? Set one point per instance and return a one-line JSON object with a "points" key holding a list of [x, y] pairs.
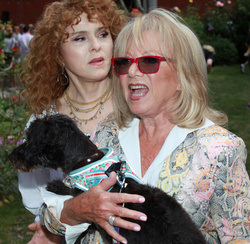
{"points": [[37, 136]]}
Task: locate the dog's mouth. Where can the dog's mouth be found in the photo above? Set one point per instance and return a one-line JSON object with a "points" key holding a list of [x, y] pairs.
{"points": [[95, 157]]}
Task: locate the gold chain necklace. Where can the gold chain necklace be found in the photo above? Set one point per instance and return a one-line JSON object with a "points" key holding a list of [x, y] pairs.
{"points": [[82, 110], [95, 101], [72, 107]]}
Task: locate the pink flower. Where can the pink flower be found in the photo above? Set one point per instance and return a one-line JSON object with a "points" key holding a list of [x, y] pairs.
{"points": [[19, 142], [11, 140], [219, 4], [229, 2]]}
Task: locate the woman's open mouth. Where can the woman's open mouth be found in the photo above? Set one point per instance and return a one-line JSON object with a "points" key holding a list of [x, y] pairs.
{"points": [[137, 91]]}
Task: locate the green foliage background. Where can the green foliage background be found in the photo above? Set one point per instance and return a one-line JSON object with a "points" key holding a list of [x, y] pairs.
{"points": [[225, 28]]}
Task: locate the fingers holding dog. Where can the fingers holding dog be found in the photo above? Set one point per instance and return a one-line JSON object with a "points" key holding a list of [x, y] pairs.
{"points": [[108, 182], [121, 223], [114, 234], [97, 205]]}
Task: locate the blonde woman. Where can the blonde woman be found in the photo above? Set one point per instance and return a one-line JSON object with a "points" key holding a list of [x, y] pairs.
{"points": [[170, 135]]}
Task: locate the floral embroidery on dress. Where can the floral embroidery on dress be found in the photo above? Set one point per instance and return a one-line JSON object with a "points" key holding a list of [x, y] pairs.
{"points": [[207, 175]]}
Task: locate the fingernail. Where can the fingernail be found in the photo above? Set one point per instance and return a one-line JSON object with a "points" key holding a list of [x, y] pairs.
{"points": [[124, 242], [143, 218], [142, 199], [137, 228]]}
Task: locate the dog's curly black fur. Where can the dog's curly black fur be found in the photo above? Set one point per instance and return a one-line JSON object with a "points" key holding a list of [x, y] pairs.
{"points": [[56, 142]]}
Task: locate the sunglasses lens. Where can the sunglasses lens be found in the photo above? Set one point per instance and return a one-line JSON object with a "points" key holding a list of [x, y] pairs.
{"points": [[122, 65], [148, 64]]}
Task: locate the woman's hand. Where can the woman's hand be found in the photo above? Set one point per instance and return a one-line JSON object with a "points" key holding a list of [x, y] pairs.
{"points": [[43, 236], [97, 205]]}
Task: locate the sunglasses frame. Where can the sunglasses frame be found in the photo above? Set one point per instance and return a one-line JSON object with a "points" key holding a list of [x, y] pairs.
{"points": [[135, 60]]}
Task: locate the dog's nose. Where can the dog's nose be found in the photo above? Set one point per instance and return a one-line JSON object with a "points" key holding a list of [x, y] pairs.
{"points": [[16, 157]]}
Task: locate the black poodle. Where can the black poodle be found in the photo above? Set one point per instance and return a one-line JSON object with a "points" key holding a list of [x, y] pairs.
{"points": [[56, 142]]}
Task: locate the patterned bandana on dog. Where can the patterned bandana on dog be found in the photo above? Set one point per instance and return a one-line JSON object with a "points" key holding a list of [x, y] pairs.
{"points": [[91, 175]]}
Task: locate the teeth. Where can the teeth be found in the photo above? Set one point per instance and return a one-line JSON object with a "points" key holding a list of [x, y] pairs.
{"points": [[138, 90], [138, 87], [138, 95]]}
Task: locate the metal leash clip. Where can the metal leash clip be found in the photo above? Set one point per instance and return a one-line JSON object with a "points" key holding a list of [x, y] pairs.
{"points": [[117, 168], [120, 179]]}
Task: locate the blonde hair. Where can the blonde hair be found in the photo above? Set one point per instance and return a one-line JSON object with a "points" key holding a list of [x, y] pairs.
{"points": [[177, 41], [44, 63]]}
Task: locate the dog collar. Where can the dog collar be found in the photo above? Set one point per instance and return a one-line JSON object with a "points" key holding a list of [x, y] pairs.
{"points": [[91, 175]]}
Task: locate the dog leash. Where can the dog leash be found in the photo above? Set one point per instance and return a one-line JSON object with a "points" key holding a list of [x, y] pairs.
{"points": [[120, 179]]}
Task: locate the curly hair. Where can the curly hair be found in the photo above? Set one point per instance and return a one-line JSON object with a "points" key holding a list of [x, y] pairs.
{"points": [[43, 64]]}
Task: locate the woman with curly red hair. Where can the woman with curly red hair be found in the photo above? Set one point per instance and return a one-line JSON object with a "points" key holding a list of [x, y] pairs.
{"points": [[67, 71]]}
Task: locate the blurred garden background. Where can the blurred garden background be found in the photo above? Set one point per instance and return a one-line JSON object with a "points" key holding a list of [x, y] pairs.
{"points": [[224, 25]]}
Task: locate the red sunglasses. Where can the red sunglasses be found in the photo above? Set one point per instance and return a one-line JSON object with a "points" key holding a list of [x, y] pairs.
{"points": [[146, 64]]}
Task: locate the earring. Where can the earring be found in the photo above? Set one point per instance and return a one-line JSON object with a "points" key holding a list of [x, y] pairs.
{"points": [[64, 77]]}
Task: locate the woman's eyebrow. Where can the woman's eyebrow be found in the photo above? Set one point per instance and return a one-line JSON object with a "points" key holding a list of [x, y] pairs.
{"points": [[77, 32], [85, 31]]}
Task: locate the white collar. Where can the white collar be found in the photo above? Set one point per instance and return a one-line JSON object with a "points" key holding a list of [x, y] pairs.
{"points": [[129, 140]]}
